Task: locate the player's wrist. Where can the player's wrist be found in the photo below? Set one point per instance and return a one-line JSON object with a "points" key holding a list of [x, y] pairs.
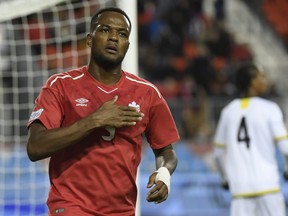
{"points": [[285, 175], [163, 175], [225, 185], [93, 121]]}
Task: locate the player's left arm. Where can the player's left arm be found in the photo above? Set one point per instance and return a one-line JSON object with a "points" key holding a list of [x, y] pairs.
{"points": [[280, 134], [283, 146], [166, 163]]}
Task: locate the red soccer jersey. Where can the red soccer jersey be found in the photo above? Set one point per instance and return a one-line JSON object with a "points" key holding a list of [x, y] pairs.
{"points": [[97, 175]]}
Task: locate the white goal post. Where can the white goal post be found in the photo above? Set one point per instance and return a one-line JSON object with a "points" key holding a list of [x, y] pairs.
{"points": [[37, 39]]}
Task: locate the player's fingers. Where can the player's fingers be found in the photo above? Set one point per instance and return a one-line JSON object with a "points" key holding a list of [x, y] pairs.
{"points": [[127, 108], [132, 114], [158, 193], [130, 111], [124, 124], [158, 187], [152, 191], [109, 104], [151, 180], [131, 119], [162, 200], [113, 100], [128, 120]]}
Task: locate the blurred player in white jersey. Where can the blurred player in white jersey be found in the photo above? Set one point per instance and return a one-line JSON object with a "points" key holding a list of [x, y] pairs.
{"points": [[245, 138]]}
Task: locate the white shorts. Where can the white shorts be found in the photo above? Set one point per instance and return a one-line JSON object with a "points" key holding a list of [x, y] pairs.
{"points": [[267, 205]]}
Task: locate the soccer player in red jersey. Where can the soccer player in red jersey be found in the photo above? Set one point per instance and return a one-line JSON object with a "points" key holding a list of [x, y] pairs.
{"points": [[90, 122]]}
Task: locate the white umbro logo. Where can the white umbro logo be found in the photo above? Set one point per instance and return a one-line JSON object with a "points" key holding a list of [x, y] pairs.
{"points": [[82, 102]]}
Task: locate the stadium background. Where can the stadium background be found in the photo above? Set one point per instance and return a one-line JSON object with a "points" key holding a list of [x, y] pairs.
{"points": [[187, 48]]}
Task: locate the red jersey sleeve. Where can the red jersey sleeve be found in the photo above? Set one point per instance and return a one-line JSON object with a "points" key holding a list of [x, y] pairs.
{"points": [[161, 130], [48, 109]]}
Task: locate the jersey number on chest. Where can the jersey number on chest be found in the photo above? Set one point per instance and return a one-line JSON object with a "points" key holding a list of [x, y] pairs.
{"points": [[243, 135]]}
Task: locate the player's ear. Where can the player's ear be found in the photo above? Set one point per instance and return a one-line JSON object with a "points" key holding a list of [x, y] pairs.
{"points": [[89, 39]]}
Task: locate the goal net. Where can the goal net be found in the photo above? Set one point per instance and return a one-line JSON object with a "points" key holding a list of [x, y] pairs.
{"points": [[37, 39]]}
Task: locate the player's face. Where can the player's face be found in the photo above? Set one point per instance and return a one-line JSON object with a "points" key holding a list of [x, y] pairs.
{"points": [[260, 83], [110, 40]]}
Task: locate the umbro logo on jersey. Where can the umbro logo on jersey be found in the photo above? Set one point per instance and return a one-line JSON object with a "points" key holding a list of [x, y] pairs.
{"points": [[82, 102], [134, 104]]}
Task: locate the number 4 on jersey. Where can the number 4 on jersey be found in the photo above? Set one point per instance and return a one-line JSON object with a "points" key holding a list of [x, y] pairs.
{"points": [[243, 135]]}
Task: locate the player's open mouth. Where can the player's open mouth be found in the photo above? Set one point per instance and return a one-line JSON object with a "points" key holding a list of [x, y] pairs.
{"points": [[111, 49]]}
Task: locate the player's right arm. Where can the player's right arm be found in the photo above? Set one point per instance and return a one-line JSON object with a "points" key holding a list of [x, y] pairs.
{"points": [[220, 149], [220, 166], [43, 142]]}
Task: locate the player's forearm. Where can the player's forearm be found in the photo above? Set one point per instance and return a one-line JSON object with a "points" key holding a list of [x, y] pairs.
{"points": [[220, 167], [166, 157], [43, 143], [283, 146], [219, 155], [285, 157]]}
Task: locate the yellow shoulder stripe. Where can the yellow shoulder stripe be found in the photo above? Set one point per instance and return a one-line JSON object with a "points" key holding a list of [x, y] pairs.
{"points": [[219, 145]]}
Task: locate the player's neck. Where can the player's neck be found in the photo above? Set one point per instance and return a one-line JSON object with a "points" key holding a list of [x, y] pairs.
{"points": [[250, 93], [105, 76]]}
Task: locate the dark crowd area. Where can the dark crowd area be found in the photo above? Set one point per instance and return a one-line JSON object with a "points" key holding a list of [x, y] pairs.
{"points": [[190, 56]]}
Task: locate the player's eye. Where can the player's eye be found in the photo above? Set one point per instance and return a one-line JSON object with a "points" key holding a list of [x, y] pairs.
{"points": [[123, 34], [104, 30]]}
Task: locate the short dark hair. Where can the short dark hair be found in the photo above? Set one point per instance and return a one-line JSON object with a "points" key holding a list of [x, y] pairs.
{"points": [[244, 76], [100, 11]]}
